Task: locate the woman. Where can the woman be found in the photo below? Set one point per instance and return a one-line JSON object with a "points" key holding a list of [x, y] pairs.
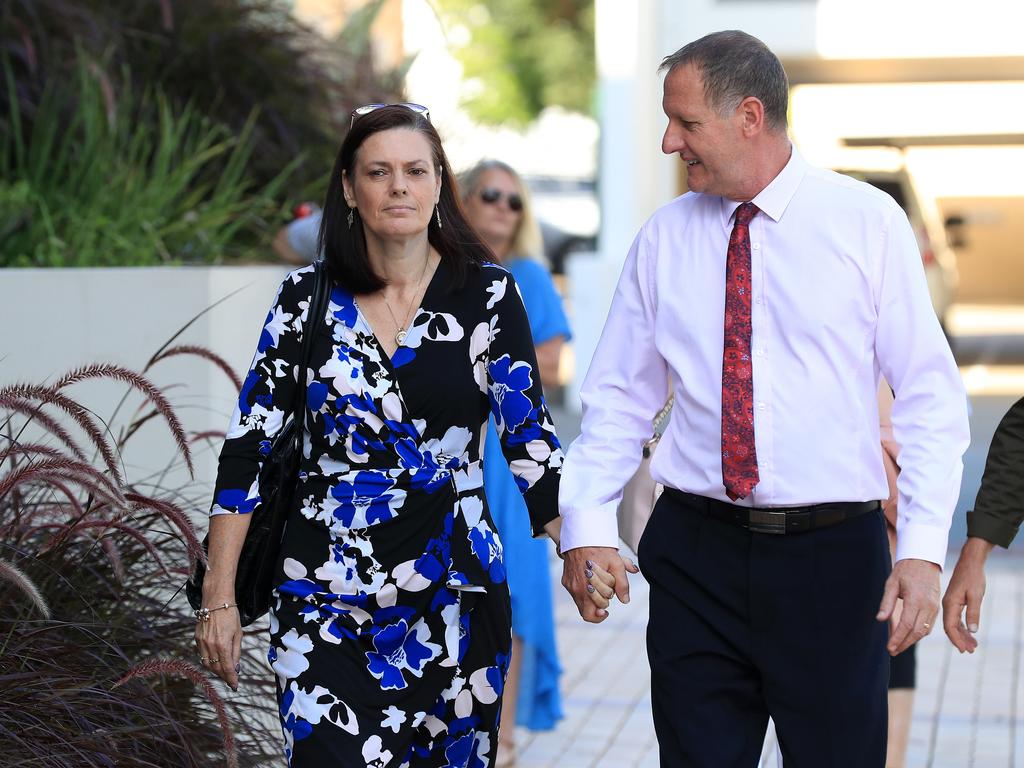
{"points": [[390, 631], [498, 206]]}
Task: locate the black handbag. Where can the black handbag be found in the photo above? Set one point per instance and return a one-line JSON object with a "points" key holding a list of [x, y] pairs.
{"points": [[278, 477]]}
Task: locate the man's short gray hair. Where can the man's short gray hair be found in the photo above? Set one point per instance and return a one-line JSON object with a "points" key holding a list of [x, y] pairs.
{"points": [[733, 66]]}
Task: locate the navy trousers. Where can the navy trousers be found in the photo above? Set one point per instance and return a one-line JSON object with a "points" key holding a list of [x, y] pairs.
{"points": [[745, 625]]}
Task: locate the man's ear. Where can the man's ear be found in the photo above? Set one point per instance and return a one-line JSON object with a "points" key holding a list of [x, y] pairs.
{"points": [[751, 112]]}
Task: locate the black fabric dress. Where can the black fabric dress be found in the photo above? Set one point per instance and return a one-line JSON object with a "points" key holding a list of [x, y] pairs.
{"points": [[390, 636]]}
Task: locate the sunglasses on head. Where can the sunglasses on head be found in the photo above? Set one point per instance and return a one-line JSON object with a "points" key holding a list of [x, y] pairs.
{"points": [[493, 196], [366, 109]]}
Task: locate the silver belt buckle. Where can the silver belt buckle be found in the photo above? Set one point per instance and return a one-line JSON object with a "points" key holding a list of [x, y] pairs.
{"points": [[764, 521]]}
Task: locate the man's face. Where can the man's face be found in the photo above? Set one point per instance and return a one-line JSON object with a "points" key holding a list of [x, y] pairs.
{"points": [[710, 144]]}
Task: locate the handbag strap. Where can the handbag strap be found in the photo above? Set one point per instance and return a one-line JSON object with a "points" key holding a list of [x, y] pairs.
{"points": [[317, 307], [658, 426]]}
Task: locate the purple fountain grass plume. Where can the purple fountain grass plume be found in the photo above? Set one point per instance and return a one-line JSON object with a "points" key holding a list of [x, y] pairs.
{"points": [[80, 526], [12, 574], [178, 517], [50, 396], [47, 422], [113, 553], [142, 384], [188, 671], [206, 354], [53, 482], [76, 472]]}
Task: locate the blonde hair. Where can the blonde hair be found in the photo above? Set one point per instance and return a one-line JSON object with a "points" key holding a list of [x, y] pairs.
{"points": [[527, 240]]}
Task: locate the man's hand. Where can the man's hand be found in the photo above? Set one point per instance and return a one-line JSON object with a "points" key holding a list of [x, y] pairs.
{"points": [[594, 567], [917, 582], [966, 589]]}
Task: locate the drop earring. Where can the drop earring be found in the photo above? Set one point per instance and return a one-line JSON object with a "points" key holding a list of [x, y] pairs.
{"points": [[437, 210], [351, 217]]}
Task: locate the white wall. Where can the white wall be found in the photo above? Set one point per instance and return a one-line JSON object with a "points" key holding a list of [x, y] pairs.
{"points": [[58, 319]]}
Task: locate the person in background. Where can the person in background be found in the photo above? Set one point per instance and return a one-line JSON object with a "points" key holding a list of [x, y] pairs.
{"points": [[497, 205], [903, 666], [296, 242], [997, 515]]}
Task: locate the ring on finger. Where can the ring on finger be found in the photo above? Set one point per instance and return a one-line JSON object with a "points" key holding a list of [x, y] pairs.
{"points": [[926, 625]]}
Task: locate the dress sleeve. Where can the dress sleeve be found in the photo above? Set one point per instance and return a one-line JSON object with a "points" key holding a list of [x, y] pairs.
{"points": [[265, 400], [521, 416]]}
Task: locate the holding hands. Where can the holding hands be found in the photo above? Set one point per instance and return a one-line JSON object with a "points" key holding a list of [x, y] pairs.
{"points": [[593, 576]]}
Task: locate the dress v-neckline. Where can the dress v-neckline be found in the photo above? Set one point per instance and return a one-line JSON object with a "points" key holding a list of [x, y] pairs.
{"points": [[362, 318]]}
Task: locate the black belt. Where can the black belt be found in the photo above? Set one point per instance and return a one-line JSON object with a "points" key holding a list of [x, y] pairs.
{"points": [[775, 519]]}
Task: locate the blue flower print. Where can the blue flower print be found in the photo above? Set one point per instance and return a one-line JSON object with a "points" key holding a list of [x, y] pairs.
{"points": [[509, 382], [297, 729], [238, 500], [275, 324], [488, 551], [368, 499], [399, 649], [343, 306]]}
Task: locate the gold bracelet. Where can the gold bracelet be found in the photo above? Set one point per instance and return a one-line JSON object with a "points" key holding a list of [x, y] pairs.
{"points": [[203, 614]]}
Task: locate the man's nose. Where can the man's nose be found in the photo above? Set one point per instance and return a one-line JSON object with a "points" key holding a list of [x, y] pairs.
{"points": [[672, 142]]}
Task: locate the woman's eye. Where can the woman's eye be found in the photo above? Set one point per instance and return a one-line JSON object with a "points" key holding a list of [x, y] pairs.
{"points": [[417, 171], [377, 172]]}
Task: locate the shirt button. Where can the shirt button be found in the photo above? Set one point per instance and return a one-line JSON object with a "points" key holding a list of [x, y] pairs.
{"points": [[760, 406], [759, 300], [756, 246], [759, 352]]}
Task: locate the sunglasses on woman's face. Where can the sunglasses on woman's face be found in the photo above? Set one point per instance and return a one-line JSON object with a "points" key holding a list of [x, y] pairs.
{"points": [[493, 196], [366, 109]]}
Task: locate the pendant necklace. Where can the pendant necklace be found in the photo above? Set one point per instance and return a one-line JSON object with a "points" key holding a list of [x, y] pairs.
{"points": [[402, 332]]}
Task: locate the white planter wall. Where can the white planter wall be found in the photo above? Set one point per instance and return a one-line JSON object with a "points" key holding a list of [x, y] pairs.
{"points": [[57, 319]]}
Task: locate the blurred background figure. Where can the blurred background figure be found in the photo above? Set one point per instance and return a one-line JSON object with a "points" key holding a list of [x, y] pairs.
{"points": [[497, 205], [296, 243]]}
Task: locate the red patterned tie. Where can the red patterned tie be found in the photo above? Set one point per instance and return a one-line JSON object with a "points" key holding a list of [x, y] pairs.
{"points": [[739, 457]]}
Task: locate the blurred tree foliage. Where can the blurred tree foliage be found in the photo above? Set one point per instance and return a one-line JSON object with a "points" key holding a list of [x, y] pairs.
{"points": [[225, 58], [524, 54]]}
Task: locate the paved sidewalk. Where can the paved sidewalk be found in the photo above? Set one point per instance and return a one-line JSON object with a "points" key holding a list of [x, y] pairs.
{"points": [[967, 711]]}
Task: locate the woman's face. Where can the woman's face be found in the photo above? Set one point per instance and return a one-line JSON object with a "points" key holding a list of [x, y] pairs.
{"points": [[394, 184], [496, 221]]}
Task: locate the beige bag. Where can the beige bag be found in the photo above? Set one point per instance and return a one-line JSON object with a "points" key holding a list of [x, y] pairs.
{"points": [[641, 492]]}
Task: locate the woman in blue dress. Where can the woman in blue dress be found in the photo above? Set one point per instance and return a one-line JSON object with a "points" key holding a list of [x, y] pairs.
{"points": [[497, 205], [390, 628]]}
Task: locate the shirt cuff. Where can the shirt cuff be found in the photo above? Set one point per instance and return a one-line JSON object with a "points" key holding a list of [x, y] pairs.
{"points": [[991, 528], [919, 541], [593, 527]]}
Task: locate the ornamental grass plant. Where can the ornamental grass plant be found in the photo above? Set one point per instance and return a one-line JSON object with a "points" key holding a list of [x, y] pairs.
{"points": [[97, 661]]}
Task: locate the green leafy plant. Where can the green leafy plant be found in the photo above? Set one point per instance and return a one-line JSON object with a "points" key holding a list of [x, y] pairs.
{"points": [[99, 180], [226, 58], [97, 665]]}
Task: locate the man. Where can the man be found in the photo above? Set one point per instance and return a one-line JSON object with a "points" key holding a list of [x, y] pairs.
{"points": [[998, 512], [771, 296]]}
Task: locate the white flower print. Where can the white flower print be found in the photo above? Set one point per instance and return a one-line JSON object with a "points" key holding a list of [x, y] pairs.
{"points": [[497, 291], [394, 718]]}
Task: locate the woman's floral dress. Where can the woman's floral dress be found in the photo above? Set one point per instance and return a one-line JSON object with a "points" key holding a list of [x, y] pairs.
{"points": [[390, 635]]}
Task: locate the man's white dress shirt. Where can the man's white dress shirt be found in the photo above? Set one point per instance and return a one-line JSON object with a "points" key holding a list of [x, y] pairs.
{"points": [[839, 298]]}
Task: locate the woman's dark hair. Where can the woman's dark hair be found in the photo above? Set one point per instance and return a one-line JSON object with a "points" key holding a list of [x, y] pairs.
{"points": [[344, 248]]}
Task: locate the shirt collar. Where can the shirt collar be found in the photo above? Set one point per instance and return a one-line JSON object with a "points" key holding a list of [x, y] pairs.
{"points": [[774, 198]]}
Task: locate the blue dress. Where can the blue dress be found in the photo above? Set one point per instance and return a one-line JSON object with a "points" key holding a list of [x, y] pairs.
{"points": [[539, 704]]}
